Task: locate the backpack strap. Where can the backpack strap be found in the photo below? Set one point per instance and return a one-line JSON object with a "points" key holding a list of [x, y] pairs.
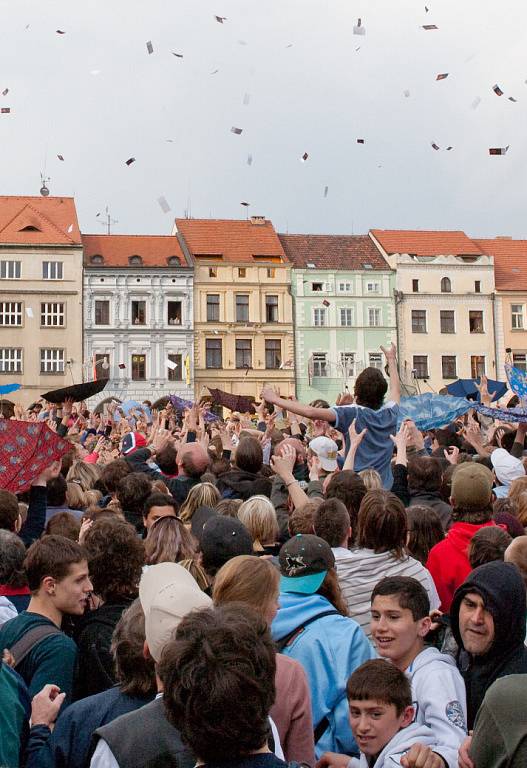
{"points": [[288, 639], [30, 640], [320, 729]]}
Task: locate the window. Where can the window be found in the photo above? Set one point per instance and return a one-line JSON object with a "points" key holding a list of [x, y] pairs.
{"points": [[51, 314], [475, 321], [213, 307], [10, 270], [345, 288], [51, 361], [415, 286], [477, 286], [374, 317], [10, 313], [375, 360], [448, 321], [135, 261], [517, 317], [273, 353], [418, 320], [138, 367], [271, 309], [102, 312], [242, 272], [138, 312], [448, 367], [96, 259], [52, 270], [319, 317], [175, 374], [317, 287], [242, 307], [519, 360], [174, 312], [347, 361], [421, 366], [101, 365], [477, 366], [213, 356], [346, 316], [320, 364], [446, 285], [373, 287], [213, 271], [10, 360], [271, 272], [243, 353]]}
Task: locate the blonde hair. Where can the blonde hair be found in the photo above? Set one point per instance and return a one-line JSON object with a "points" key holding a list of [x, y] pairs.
{"points": [[371, 479], [247, 579], [201, 495], [521, 504], [517, 488], [75, 496], [259, 517], [86, 475]]}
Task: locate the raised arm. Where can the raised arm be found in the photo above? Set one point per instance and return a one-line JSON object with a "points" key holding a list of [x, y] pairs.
{"points": [[391, 358], [324, 414]]}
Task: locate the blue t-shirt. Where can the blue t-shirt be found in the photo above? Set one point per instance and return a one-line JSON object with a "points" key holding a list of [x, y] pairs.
{"points": [[376, 448]]}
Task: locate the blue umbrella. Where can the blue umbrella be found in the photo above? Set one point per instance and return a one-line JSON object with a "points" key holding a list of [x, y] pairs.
{"points": [[431, 411], [127, 406], [467, 388], [5, 389]]}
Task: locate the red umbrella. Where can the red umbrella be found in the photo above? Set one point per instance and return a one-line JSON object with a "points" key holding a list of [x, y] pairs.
{"points": [[26, 449]]}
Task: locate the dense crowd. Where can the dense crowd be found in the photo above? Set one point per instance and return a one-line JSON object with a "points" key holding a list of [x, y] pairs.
{"points": [[309, 584]]}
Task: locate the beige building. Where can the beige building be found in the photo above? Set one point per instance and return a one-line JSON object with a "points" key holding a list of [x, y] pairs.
{"points": [[243, 320], [40, 295], [445, 306]]}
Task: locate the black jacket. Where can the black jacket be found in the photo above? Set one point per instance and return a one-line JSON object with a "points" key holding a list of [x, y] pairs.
{"points": [[237, 484], [503, 592]]}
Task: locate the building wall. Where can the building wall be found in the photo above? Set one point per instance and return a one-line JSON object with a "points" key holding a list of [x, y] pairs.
{"points": [[120, 340], [509, 337], [256, 284], [334, 339], [31, 290]]}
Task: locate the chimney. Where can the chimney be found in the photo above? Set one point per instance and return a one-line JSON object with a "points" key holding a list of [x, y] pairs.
{"points": [[258, 220]]}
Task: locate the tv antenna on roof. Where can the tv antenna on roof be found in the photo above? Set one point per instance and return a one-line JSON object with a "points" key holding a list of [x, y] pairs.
{"points": [[44, 191], [108, 221]]}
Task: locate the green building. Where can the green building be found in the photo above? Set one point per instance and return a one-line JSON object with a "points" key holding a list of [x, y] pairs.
{"points": [[343, 308]]}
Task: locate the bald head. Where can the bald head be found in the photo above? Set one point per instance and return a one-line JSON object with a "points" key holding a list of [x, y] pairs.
{"points": [[516, 553], [192, 459]]}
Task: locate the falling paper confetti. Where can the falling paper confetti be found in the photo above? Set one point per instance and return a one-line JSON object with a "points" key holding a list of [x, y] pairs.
{"points": [[246, 99], [443, 76], [290, 45], [149, 47], [426, 9], [5, 110], [475, 104], [121, 366], [497, 90], [242, 42], [326, 190], [406, 94], [511, 98], [499, 150], [170, 364], [60, 32], [163, 203], [29, 312], [235, 130], [214, 71], [429, 27], [220, 19], [60, 157], [434, 146], [178, 55], [304, 157], [130, 161], [358, 29], [449, 148], [5, 91], [326, 303], [245, 205], [95, 72], [70, 229], [360, 141], [249, 159]]}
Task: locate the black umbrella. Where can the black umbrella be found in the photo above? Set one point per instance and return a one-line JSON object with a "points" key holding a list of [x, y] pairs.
{"points": [[78, 392]]}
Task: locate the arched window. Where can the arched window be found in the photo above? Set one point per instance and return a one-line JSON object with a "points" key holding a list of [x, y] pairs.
{"points": [[97, 259], [446, 285], [173, 261], [135, 261]]}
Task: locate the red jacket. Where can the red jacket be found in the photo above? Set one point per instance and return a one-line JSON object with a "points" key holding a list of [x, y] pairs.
{"points": [[448, 560]]}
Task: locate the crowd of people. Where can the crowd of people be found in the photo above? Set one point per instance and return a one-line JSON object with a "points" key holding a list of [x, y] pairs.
{"points": [[313, 585]]}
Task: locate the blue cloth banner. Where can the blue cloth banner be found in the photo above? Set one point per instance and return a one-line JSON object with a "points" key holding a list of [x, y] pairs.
{"points": [[431, 411]]}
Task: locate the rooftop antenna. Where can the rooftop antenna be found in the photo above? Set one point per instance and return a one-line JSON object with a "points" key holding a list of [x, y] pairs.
{"points": [[44, 191], [108, 221]]}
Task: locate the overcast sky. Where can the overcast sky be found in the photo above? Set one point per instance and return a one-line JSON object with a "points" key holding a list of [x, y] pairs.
{"points": [[95, 96]]}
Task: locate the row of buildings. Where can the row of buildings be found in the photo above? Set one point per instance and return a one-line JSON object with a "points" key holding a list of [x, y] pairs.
{"points": [[236, 305]]}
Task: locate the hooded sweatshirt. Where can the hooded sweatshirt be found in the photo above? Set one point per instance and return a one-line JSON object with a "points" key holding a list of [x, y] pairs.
{"points": [[329, 649], [439, 698], [399, 745], [448, 560], [503, 592], [238, 484]]}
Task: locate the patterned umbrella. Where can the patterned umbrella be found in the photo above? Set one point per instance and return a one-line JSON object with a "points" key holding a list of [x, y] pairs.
{"points": [[430, 411], [517, 381], [27, 448]]}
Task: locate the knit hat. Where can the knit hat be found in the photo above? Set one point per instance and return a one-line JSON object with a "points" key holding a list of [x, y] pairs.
{"points": [[199, 518], [304, 561], [326, 450], [131, 442], [471, 485], [223, 538], [506, 467]]}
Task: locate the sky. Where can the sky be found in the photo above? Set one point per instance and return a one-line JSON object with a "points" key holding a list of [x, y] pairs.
{"points": [[97, 97]]}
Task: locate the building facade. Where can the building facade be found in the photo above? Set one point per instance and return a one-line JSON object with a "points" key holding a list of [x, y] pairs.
{"points": [[40, 295], [343, 308], [445, 305], [138, 316], [243, 318]]}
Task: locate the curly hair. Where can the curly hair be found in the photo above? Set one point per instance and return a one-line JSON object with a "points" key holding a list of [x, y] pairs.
{"points": [[115, 558], [228, 652]]}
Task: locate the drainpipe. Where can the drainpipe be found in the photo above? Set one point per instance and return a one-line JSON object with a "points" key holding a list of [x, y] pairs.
{"points": [[493, 299]]}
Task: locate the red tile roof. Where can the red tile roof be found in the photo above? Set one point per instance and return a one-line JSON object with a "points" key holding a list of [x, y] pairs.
{"points": [[231, 239], [116, 250], [38, 221], [333, 251], [510, 262], [425, 243]]}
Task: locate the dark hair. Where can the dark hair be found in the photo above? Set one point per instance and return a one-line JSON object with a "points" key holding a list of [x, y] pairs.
{"points": [[228, 507], [301, 519], [113, 473], [331, 522], [51, 556], [12, 554], [446, 438], [319, 403], [115, 558], [56, 491], [446, 482], [382, 523], [488, 544], [63, 524], [380, 680], [166, 459], [228, 652], [249, 455], [425, 531], [348, 487], [424, 474], [410, 594], [9, 511], [159, 500], [330, 589], [132, 492], [370, 388], [134, 673], [475, 515], [219, 466]]}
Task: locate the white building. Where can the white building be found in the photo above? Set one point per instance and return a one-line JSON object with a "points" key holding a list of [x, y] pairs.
{"points": [[138, 316]]}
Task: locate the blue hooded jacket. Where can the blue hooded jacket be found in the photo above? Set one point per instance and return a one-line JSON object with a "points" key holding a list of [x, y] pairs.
{"points": [[329, 649]]}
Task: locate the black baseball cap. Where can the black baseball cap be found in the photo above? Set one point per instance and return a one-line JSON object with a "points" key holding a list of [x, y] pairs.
{"points": [[304, 561], [223, 538]]}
